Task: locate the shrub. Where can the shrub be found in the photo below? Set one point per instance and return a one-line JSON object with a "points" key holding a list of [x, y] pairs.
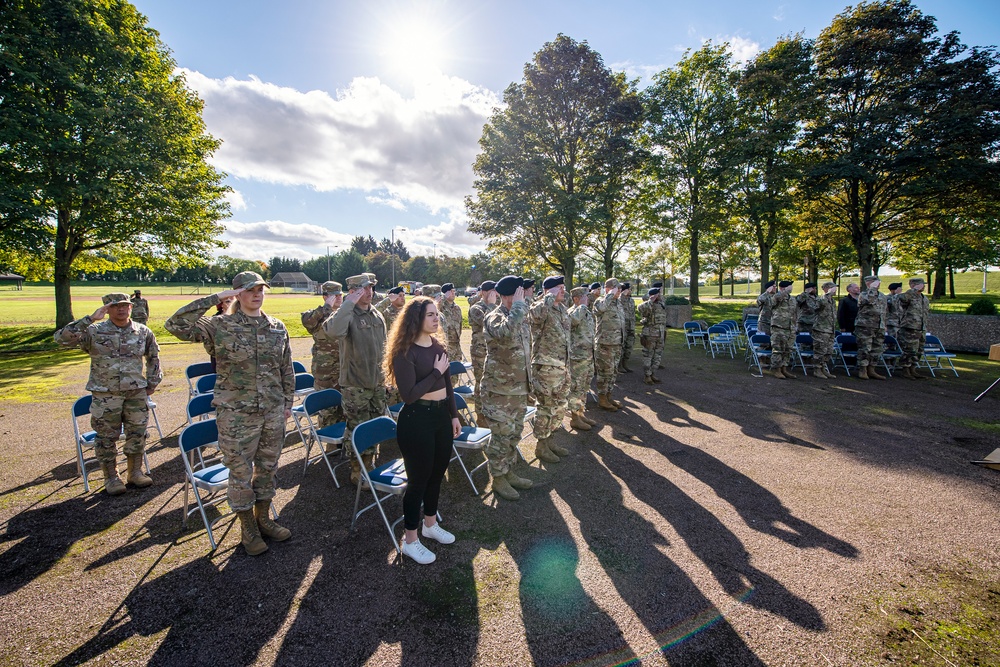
{"points": [[982, 306], [674, 300]]}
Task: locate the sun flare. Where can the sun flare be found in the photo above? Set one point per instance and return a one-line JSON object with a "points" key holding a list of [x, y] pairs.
{"points": [[414, 47]]}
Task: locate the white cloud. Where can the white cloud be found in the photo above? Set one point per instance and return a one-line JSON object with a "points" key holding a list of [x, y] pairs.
{"points": [[779, 14], [369, 137], [743, 49], [276, 238], [639, 71], [236, 200], [449, 237], [391, 202]]}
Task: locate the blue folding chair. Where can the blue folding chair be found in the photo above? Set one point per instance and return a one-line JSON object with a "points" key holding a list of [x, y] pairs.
{"points": [[205, 384], [694, 334], [86, 439], [200, 407], [891, 354], [934, 351], [212, 480], [760, 350], [471, 438], [462, 373], [388, 479], [846, 347], [306, 418], [195, 371], [299, 367], [720, 339], [305, 384], [804, 351]]}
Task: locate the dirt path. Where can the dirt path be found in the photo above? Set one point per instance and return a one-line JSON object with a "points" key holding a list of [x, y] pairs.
{"points": [[718, 520]]}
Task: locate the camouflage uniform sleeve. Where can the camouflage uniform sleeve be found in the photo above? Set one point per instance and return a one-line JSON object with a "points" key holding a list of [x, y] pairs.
{"points": [[190, 323], [539, 310], [312, 320], [476, 316], [75, 334], [506, 327], [287, 372], [338, 325], [645, 309], [601, 304], [154, 375]]}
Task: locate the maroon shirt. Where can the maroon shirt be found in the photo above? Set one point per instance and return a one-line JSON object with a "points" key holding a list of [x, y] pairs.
{"points": [[416, 375]]}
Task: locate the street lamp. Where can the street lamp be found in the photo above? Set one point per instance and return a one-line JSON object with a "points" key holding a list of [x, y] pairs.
{"points": [[392, 241], [328, 261]]}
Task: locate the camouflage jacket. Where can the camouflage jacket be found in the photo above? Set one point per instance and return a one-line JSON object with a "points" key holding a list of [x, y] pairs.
{"points": [[608, 316], [627, 304], [654, 318], [477, 317], [784, 310], [116, 353], [451, 321], [892, 311], [826, 314], [508, 351], [582, 330], [764, 304], [252, 354], [549, 332], [389, 312], [140, 309], [326, 348], [914, 310], [807, 305], [362, 345], [871, 309]]}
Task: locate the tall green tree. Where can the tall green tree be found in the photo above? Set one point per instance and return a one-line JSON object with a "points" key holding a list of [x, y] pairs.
{"points": [[691, 110], [106, 142], [541, 173]]}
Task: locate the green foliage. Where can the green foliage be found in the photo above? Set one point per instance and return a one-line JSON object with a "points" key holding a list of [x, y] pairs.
{"points": [[982, 306], [674, 300]]}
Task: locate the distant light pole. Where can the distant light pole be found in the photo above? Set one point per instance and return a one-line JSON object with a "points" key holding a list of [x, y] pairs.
{"points": [[392, 241], [985, 269], [328, 261]]}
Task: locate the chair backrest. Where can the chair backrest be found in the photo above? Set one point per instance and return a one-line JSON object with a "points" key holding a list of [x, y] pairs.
{"points": [[197, 370], [758, 340], [847, 342], [890, 343], [804, 338], [456, 368], [932, 341], [730, 323], [304, 381], [205, 383], [200, 405], [323, 399], [299, 367], [370, 433], [81, 406], [692, 326], [197, 435], [718, 329]]}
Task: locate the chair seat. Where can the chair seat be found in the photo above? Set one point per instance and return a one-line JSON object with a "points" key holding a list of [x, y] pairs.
{"points": [[333, 433], [389, 476], [473, 436], [89, 436], [300, 409], [464, 389], [394, 410], [217, 475], [530, 413]]}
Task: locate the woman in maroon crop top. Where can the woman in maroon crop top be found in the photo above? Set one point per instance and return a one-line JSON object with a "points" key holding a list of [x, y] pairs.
{"points": [[417, 365]]}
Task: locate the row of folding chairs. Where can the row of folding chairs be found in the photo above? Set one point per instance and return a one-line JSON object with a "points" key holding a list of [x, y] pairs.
{"points": [[201, 378]]}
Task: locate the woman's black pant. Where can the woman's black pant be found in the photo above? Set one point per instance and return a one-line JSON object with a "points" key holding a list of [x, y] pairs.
{"points": [[424, 435]]}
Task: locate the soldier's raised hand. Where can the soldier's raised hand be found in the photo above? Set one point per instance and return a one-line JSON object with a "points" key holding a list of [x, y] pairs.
{"points": [[519, 294], [225, 294], [354, 296], [99, 314], [441, 363]]}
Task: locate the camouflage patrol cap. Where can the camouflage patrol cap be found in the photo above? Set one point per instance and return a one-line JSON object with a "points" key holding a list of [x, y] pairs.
{"points": [[578, 292], [371, 277], [916, 281], [827, 285], [248, 280], [431, 290], [332, 287], [871, 279], [611, 283], [115, 298], [360, 281]]}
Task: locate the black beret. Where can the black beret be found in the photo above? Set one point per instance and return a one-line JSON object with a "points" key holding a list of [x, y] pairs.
{"points": [[658, 284], [396, 290], [626, 285], [447, 287], [507, 285], [769, 283], [594, 286], [893, 286], [808, 285], [527, 282], [784, 283], [553, 281], [653, 291], [488, 285]]}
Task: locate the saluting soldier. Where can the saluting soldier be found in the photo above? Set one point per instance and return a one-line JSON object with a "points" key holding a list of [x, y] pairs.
{"points": [[914, 312], [593, 295], [784, 315], [892, 310], [581, 358], [550, 365], [869, 329], [608, 344], [451, 318], [326, 349], [118, 384], [477, 350], [823, 331], [654, 324], [764, 308], [140, 308], [628, 320], [807, 302], [392, 305]]}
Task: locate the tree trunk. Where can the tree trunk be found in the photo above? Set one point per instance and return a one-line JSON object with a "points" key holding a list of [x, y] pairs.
{"points": [[569, 267], [695, 268], [732, 283], [765, 265], [951, 281], [61, 277], [940, 276]]}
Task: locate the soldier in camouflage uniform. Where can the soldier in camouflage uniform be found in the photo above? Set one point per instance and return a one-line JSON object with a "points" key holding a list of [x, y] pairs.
{"points": [[392, 305], [140, 308], [822, 332], [360, 328], [326, 349], [451, 319], [654, 323], [477, 351], [627, 304], [914, 309], [784, 315], [506, 381], [892, 310], [529, 290], [608, 344], [582, 330], [550, 365], [593, 295], [254, 391], [869, 329], [764, 308], [118, 384], [807, 303]]}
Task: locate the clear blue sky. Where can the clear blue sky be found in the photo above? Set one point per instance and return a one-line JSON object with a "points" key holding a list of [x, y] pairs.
{"points": [[345, 118]]}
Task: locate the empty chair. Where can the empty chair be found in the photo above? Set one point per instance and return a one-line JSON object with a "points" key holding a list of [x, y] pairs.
{"points": [[759, 347], [846, 349], [462, 372], [304, 384], [306, 422], [934, 352], [205, 384], [891, 354], [388, 479], [200, 407], [195, 371], [804, 351], [299, 367], [471, 438], [209, 483], [720, 339], [694, 334]]}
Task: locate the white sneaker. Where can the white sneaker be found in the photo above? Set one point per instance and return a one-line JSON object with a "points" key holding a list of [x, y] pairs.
{"points": [[436, 532], [418, 552]]}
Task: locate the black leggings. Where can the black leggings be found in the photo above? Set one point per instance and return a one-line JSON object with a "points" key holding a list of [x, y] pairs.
{"points": [[424, 435]]}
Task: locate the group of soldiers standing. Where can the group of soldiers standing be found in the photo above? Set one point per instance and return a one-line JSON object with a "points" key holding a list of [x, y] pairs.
{"points": [[868, 314]]}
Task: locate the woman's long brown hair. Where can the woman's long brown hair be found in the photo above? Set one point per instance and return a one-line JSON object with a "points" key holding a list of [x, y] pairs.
{"points": [[405, 331]]}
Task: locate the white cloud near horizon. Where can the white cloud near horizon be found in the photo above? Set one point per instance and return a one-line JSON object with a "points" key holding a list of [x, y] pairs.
{"points": [[417, 150]]}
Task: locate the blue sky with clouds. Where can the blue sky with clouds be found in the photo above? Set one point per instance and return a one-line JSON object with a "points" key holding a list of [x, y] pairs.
{"points": [[346, 118]]}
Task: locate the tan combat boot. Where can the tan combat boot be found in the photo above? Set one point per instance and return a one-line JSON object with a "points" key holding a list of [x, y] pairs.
{"points": [[522, 483], [648, 380], [250, 533], [502, 488], [776, 372], [604, 402], [862, 372], [556, 449], [577, 421], [787, 373], [268, 528], [614, 401], [134, 474], [584, 417], [112, 482], [656, 380], [543, 452], [874, 374]]}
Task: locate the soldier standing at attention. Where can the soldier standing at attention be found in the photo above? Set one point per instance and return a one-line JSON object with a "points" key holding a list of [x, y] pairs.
{"points": [[477, 351], [254, 392], [654, 324], [764, 308], [118, 384], [140, 308], [581, 358], [914, 310], [361, 332], [593, 295], [608, 344], [822, 332], [783, 319], [325, 350], [506, 381], [628, 319], [807, 303], [550, 365], [892, 311], [451, 318], [869, 329], [392, 305], [529, 290]]}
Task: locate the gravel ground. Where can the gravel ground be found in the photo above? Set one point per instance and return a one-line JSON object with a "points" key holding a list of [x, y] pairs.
{"points": [[719, 519]]}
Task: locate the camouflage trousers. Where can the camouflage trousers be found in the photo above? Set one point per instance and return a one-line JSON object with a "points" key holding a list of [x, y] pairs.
{"points": [[360, 405], [334, 415], [478, 365], [326, 370], [627, 347], [652, 352], [822, 348], [505, 418], [114, 413], [606, 363], [911, 342], [455, 349], [551, 386], [251, 444], [782, 341], [581, 372], [870, 344]]}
